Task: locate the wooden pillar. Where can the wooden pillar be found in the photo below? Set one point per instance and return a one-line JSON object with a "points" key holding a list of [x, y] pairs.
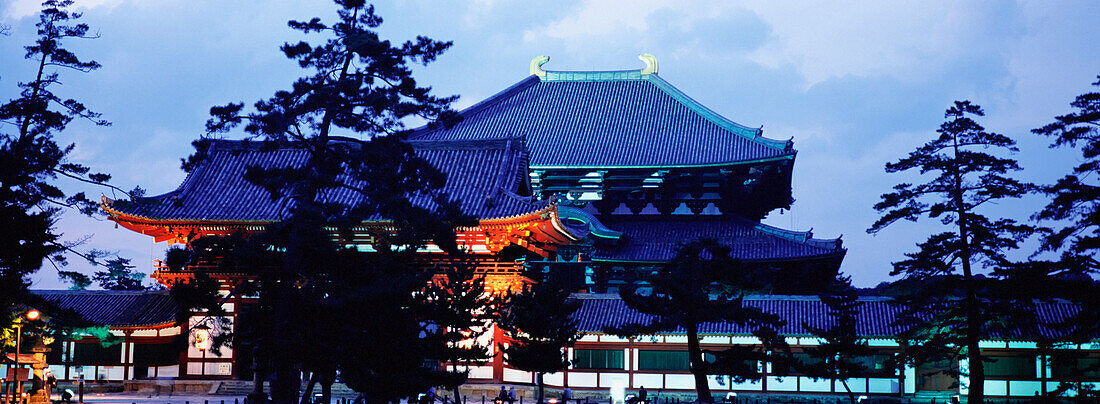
{"points": [[127, 346], [498, 356]]}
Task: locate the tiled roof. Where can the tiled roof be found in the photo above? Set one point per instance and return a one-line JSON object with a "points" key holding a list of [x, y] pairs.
{"points": [[481, 175], [115, 308], [608, 120], [656, 240], [875, 318]]}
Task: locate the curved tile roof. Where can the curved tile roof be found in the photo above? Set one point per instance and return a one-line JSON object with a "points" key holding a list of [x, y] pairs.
{"points": [[875, 318], [481, 175], [657, 239], [610, 120], [115, 308]]}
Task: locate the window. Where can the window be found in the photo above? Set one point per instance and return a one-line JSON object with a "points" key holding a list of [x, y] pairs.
{"points": [[663, 360], [156, 354], [1018, 367], [598, 359], [876, 365], [1070, 368], [96, 354]]}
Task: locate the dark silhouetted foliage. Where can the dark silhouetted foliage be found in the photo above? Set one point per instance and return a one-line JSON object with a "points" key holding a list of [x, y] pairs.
{"points": [[944, 313], [701, 284], [538, 324], [32, 162], [838, 355]]}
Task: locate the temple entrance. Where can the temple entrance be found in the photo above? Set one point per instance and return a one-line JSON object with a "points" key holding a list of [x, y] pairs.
{"points": [[938, 376]]}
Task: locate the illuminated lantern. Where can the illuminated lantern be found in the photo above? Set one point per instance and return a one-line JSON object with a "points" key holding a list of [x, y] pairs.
{"points": [[202, 339]]}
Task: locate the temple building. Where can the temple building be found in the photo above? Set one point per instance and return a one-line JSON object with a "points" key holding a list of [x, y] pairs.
{"points": [[589, 176]]}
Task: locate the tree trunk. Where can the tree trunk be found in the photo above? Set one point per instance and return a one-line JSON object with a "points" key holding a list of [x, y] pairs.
{"points": [[257, 396], [327, 378], [975, 366], [695, 361], [280, 387], [851, 396], [306, 396], [538, 380]]}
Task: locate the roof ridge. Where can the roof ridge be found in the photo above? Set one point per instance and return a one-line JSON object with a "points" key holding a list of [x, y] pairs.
{"points": [[481, 105], [460, 144], [98, 292], [753, 134], [805, 237]]}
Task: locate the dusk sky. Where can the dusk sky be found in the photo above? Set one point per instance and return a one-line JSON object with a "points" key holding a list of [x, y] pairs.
{"points": [[856, 84]]}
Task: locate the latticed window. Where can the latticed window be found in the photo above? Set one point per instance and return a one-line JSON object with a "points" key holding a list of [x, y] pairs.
{"points": [[598, 359], [1075, 368], [156, 354], [1017, 367], [663, 360], [96, 354]]}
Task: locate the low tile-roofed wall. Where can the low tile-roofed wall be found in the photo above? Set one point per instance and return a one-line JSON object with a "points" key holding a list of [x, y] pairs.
{"points": [[875, 318], [115, 308]]}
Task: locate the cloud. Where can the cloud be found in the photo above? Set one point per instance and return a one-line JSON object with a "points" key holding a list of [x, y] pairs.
{"points": [[20, 9], [911, 42], [599, 19]]}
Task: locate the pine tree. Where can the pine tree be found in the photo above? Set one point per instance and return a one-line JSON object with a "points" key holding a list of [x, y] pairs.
{"points": [[119, 275], [838, 356], [348, 114], [32, 161], [702, 284], [1076, 197], [458, 306], [538, 324], [945, 315], [1074, 205]]}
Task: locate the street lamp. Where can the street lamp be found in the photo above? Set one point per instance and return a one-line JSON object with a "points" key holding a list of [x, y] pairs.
{"points": [[202, 342], [30, 315]]}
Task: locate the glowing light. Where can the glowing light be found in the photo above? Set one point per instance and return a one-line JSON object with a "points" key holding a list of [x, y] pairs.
{"points": [[202, 339], [33, 315]]}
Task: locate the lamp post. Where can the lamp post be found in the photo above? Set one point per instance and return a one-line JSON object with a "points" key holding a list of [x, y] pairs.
{"points": [[202, 342], [30, 315]]}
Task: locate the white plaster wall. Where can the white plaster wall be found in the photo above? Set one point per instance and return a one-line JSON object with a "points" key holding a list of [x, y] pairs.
{"points": [[513, 375], [679, 381], [649, 380], [1025, 388], [582, 379], [819, 385], [614, 379], [858, 385], [57, 370], [676, 339], [481, 372], [752, 385], [776, 383], [718, 382], [880, 385], [110, 373], [554, 379], [168, 371], [996, 387]]}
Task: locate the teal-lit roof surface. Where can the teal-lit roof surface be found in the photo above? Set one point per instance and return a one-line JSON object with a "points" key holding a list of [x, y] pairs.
{"points": [[613, 119]]}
